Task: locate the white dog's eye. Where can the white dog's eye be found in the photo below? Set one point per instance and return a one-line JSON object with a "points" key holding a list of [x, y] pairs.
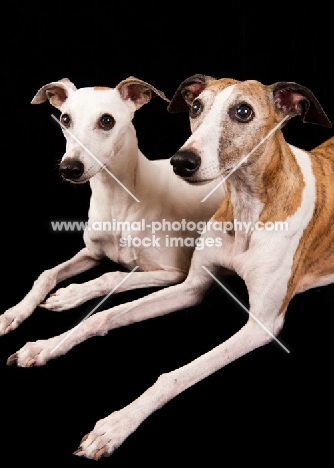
{"points": [[242, 113], [107, 121], [195, 108], [65, 120]]}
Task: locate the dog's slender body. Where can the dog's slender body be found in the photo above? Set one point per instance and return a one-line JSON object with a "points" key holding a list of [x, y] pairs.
{"points": [[128, 189], [274, 182]]}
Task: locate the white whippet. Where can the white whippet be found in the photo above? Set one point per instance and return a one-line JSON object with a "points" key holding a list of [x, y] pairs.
{"points": [[265, 183], [131, 198]]}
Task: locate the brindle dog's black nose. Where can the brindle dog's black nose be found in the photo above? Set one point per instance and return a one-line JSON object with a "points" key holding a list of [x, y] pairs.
{"points": [[71, 170], [185, 163]]}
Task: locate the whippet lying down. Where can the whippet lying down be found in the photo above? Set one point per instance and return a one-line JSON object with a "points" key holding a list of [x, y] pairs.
{"points": [[130, 196], [267, 183]]}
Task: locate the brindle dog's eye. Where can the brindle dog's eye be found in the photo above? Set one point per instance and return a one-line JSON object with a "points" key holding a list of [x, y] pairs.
{"points": [[195, 108], [65, 120], [244, 113], [107, 121]]}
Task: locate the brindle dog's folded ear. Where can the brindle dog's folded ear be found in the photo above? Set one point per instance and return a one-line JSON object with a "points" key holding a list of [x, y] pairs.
{"points": [[295, 99], [188, 90]]}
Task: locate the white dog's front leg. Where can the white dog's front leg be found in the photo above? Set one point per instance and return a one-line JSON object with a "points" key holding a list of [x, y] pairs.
{"points": [[159, 303], [12, 318], [76, 294], [110, 432]]}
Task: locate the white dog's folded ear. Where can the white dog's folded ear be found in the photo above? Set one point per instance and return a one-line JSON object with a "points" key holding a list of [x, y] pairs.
{"points": [[187, 91], [295, 99], [56, 92], [138, 91]]}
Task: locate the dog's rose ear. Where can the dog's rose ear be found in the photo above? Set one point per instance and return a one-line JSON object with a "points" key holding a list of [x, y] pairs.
{"points": [[187, 91], [295, 99], [56, 92], [138, 91]]}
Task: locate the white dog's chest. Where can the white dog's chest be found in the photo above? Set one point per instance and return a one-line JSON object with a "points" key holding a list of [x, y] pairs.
{"points": [[137, 242]]}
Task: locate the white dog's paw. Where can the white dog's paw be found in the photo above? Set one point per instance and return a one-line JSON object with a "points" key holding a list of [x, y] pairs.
{"points": [[11, 319], [108, 434], [67, 298], [35, 353]]}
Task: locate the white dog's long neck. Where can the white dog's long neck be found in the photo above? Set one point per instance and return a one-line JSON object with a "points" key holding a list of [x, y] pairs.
{"points": [[115, 187]]}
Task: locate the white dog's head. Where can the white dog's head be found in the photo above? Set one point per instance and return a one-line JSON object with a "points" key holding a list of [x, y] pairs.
{"points": [[94, 121], [229, 118]]}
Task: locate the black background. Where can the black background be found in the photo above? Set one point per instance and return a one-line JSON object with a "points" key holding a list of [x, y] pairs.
{"points": [[268, 405]]}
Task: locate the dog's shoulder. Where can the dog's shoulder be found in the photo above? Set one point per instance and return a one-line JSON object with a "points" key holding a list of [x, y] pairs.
{"points": [[325, 150]]}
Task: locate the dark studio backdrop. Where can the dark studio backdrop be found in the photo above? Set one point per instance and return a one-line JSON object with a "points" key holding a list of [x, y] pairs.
{"points": [[265, 406]]}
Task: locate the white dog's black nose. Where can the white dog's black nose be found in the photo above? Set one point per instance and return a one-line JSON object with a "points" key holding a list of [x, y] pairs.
{"points": [[185, 163], [71, 170]]}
